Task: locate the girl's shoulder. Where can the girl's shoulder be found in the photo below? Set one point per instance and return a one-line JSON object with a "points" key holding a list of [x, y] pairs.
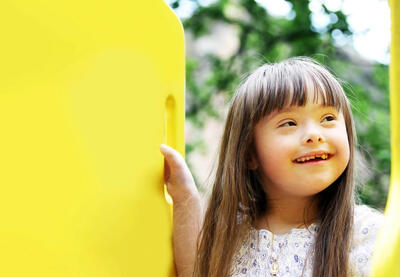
{"points": [[367, 224], [367, 217]]}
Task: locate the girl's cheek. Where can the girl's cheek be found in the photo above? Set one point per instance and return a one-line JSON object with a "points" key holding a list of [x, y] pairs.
{"points": [[347, 151]]}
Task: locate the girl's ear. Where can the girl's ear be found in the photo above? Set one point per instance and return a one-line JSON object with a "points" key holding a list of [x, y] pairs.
{"points": [[252, 163]]}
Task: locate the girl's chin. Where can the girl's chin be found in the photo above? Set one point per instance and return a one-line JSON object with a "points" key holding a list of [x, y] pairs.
{"points": [[308, 190]]}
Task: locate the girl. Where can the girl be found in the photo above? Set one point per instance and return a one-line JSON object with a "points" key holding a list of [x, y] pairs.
{"points": [[282, 202]]}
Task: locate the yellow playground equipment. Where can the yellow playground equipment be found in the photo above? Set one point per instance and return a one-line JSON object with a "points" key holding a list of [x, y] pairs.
{"points": [[88, 92], [386, 260]]}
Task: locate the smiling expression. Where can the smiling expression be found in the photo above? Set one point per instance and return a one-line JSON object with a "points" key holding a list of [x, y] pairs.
{"points": [[300, 150]]}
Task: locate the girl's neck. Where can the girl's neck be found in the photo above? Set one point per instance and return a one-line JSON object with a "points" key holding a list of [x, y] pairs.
{"points": [[283, 215]]}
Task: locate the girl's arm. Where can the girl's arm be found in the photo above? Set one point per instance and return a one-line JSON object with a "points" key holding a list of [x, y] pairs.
{"points": [[187, 224], [187, 210]]}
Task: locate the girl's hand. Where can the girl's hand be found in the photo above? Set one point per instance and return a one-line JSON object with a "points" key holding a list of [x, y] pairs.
{"points": [[177, 176]]}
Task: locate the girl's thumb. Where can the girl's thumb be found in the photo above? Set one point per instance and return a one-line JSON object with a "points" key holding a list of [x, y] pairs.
{"points": [[172, 156], [164, 149], [168, 152]]}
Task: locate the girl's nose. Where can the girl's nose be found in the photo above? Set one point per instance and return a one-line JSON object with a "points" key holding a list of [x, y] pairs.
{"points": [[314, 139], [313, 136]]}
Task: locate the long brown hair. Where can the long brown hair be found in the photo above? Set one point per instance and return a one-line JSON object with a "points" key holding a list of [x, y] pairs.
{"points": [[238, 199]]}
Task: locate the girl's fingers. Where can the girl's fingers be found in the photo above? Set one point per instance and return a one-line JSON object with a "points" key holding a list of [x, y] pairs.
{"points": [[177, 176], [173, 157], [166, 172]]}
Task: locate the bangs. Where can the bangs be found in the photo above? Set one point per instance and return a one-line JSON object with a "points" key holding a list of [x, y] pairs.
{"points": [[292, 83]]}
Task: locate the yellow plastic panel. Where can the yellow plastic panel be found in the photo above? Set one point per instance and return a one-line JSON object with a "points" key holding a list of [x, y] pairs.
{"points": [[386, 260], [88, 92]]}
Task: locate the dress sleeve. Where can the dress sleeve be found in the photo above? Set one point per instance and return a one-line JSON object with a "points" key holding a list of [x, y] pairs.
{"points": [[367, 224]]}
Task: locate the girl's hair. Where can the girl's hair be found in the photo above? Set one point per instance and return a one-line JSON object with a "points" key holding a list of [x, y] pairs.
{"points": [[237, 197]]}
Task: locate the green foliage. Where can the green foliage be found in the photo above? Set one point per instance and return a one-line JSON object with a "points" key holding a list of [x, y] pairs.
{"points": [[264, 38]]}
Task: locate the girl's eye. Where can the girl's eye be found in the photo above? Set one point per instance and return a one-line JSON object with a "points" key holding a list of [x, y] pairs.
{"points": [[289, 123], [329, 118]]}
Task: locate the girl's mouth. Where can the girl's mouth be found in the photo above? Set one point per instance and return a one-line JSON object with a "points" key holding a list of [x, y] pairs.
{"points": [[318, 159]]}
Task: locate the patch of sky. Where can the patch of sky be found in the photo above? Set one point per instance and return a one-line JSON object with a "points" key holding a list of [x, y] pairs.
{"points": [[206, 3], [319, 18], [185, 9], [371, 27], [368, 19], [278, 8]]}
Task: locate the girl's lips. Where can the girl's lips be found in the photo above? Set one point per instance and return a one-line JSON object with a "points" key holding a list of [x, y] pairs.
{"points": [[313, 153], [316, 161]]}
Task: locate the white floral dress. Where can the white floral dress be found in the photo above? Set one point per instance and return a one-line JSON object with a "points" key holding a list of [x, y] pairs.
{"points": [[294, 249]]}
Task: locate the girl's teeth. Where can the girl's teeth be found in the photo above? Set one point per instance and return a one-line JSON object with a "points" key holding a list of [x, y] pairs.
{"points": [[323, 156]]}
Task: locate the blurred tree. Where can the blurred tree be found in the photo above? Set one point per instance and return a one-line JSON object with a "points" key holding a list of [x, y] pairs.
{"points": [[265, 38]]}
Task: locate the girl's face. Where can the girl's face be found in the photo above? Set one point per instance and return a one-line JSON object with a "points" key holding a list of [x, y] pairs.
{"points": [[283, 138]]}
